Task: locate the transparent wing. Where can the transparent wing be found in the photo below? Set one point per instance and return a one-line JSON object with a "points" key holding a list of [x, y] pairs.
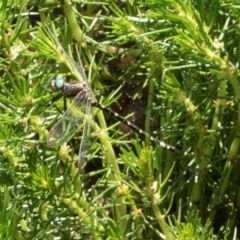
{"points": [[73, 118], [79, 113], [86, 141], [76, 68]]}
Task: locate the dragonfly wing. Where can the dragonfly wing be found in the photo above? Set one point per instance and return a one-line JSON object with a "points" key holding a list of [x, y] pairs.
{"points": [[76, 68], [64, 129], [86, 142]]}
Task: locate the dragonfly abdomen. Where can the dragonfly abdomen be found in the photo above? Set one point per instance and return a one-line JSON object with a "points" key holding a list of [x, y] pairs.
{"points": [[134, 127]]}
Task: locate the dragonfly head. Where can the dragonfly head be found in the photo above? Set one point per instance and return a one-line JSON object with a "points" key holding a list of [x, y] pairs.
{"points": [[58, 83]]}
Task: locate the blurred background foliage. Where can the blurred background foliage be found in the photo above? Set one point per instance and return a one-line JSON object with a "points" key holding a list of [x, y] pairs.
{"points": [[173, 67]]}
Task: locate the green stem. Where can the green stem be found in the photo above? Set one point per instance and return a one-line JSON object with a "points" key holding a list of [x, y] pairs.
{"points": [[70, 14], [149, 106], [231, 155], [160, 218], [22, 7], [85, 217]]}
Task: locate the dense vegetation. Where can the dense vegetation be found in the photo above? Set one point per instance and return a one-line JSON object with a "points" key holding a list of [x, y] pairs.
{"points": [[169, 66]]}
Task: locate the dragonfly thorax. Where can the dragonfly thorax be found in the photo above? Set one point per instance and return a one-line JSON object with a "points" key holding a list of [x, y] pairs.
{"points": [[72, 89]]}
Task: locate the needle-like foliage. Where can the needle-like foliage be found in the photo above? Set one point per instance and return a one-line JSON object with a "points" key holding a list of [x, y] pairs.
{"points": [[171, 66]]}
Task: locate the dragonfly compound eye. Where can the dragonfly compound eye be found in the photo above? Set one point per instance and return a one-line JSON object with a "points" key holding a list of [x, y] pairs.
{"points": [[58, 83]]}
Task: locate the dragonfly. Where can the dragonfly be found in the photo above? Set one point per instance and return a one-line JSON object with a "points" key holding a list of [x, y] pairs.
{"points": [[81, 107]]}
